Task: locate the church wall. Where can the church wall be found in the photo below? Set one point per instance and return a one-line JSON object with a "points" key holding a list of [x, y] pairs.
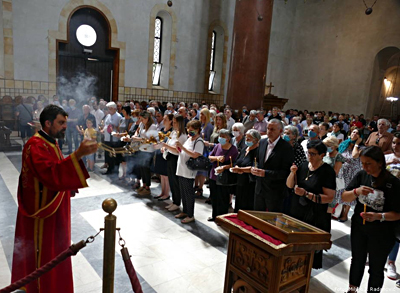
{"points": [[32, 21], [333, 48], [283, 17], [1, 43]]}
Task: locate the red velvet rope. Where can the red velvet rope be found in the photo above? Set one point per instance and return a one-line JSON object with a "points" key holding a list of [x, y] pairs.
{"points": [[136, 287], [72, 250]]}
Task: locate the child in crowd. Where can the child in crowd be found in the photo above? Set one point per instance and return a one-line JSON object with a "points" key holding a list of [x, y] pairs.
{"points": [[90, 134]]}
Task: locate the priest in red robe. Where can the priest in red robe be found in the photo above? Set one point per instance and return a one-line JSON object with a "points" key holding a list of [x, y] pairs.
{"points": [[46, 184]]}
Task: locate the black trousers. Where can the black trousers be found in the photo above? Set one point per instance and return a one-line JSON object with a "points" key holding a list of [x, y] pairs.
{"points": [[113, 162], [263, 203], [144, 160], [245, 196], [172, 162], [376, 240], [187, 192], [220, 198]]}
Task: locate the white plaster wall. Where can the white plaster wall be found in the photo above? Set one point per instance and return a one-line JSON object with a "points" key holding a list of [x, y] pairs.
{"points": [[1, 42], [283, 16], [332, 53], [33, 19]]}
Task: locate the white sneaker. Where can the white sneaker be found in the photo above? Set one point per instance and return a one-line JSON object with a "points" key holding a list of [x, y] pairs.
{"points": [[391, 271], [174, 207]]}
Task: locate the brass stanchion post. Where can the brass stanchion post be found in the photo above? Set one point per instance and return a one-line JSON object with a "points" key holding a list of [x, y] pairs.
{"points": [[110, 222]]}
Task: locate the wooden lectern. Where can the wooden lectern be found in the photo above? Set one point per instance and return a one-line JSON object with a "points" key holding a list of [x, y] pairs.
{"points": [[270, 252]]}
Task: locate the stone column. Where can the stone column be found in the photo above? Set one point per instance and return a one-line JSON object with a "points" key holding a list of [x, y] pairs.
{"points": [[249, 56]]}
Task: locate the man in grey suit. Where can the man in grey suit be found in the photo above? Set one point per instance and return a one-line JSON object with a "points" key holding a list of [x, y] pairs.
{"points": [[274, 158]]}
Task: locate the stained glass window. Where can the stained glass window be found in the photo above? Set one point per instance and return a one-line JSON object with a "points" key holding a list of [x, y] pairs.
{"points": [[157, 51], [212, 62]]}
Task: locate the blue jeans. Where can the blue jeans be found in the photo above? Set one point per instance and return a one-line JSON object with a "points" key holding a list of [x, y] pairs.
{"points": [[393, 253], [72, 134]]}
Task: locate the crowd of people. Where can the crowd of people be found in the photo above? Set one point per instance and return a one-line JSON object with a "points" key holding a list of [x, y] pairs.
{"points": [[313, 166]]}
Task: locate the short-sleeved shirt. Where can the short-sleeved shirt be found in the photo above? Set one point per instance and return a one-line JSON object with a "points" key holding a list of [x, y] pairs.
{"points": [[207, 131], [392, 168], [74, 113], [339, 135], [314, 182], [173, 138], [90, 133], [386, 198], [112, 120], [385, 141], [219, 151], [261, 126], [25, 113], [331, 161], [82, 121], [197, 146]]}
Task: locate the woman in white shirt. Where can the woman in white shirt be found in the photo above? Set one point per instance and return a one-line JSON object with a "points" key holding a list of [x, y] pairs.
{"points": [[192, 148], [171, 153], [146, 130], [336, 131], [393, 165]]}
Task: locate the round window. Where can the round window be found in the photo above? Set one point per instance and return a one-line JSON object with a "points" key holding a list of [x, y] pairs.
{"points": [[86, 35]]}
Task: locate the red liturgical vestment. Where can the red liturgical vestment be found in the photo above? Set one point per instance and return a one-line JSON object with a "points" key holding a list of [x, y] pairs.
{"points": [[43, 228]]}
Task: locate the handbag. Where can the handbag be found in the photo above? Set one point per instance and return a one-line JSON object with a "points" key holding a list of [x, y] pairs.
{"points": [[340, 183], [201, 163], [226, 178]]}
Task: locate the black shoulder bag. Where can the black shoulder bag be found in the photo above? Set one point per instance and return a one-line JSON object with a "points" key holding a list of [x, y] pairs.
{"points": [[201, 163]]}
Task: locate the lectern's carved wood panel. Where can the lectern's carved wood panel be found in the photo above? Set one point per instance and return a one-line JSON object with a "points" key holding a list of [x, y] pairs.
{"points": [[293, 267], [255, 262]]}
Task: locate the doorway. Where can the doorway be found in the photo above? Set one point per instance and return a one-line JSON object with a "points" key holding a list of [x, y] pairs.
{"points": [[86, 64]]}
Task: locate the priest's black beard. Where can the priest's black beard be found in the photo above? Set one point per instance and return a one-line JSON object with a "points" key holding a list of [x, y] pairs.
{"points": [[59, 134]]}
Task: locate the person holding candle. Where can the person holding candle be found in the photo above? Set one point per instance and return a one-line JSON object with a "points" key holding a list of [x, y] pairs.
{"points": [[171, 154], [206, 131], [246, 183], [314, 184], [274, 157], [192, 148], [224, 153], [393, 165], [378, 189]]}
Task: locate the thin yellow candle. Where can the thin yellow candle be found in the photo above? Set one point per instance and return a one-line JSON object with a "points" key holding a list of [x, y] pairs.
{"points": [[255, 162], [230, 158], [365, 210]]}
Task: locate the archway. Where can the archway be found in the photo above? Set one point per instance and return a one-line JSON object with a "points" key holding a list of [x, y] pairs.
{"points": [[385, 65], [86, 64]]}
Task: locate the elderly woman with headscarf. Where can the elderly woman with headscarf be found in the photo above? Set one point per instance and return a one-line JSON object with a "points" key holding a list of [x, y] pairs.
{"points": [[246, 184]]}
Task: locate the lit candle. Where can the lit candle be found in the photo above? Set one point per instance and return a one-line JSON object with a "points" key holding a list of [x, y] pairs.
{"points": [[230, 158], [255, 162], [365, 210]]}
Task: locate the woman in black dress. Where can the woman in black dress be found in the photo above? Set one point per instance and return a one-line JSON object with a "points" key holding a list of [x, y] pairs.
{"points": [[314, 190], [376, 192], [245, 187]]}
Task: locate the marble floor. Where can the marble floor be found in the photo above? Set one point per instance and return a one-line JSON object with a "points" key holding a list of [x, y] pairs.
{"points": [[168, 256]]}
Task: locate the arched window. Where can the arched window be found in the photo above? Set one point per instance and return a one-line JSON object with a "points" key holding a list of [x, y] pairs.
{"points": [[212, 62], [217, 48], [157, 65]]}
